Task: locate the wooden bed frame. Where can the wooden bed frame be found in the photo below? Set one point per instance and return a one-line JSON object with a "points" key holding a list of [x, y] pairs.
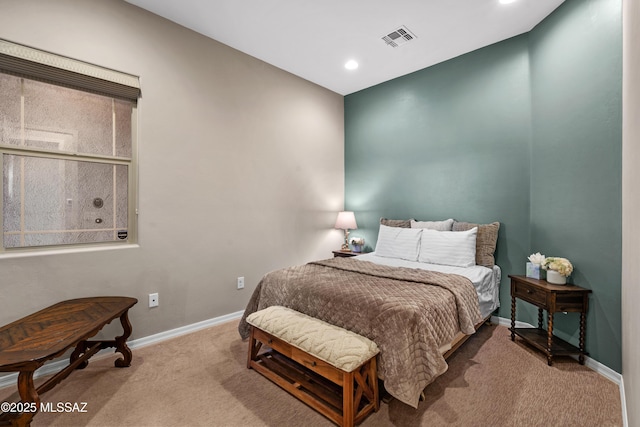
{"points": [[461, 338]]}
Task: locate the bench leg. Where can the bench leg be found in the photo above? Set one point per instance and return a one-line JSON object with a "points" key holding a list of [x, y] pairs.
{"points": [[254, 348], [80, 349], [121, 342], [366, 385], [348, 411], [373, 381], [28, 394], [92, 347]]}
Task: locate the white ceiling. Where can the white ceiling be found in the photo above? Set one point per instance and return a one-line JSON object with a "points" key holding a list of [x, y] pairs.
{"points": [[314, 39]]}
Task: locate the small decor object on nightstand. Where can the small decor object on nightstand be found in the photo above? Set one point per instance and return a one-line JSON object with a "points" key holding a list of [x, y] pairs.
{"points": [[346, 221], [534, 266], [357, 243], [558, 269]]}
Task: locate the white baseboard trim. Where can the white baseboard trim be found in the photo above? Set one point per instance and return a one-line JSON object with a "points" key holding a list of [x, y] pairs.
{"points": [[592, 364], [51, 368], [507, 322], [184, 330], [623, 401]]}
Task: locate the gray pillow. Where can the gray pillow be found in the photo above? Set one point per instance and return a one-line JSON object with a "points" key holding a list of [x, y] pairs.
{"points": [[445, 225], [486, 240], [402, 223]]}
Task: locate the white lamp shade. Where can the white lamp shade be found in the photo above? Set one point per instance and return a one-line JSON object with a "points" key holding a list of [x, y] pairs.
{"points": [[346, 221]]}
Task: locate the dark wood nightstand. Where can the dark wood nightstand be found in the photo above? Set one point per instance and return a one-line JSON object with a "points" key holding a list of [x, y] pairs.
{"points": [[553, 299], [345, 254]]}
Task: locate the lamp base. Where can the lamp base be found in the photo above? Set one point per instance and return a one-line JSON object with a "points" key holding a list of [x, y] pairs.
{"points": [[345, 245]]}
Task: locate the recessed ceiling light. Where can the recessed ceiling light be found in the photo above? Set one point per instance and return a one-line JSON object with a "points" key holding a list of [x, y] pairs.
{"points": [[506, 1], [351, 65]]}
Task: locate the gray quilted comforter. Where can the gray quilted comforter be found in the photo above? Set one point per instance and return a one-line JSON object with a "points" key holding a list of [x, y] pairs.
{"points": [[409, 313]]}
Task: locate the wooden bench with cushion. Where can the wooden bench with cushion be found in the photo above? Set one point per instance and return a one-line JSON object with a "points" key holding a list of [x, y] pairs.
{"points": [[329, 368]]}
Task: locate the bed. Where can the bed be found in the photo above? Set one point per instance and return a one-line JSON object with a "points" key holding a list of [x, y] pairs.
{"points": [[416, 296]]}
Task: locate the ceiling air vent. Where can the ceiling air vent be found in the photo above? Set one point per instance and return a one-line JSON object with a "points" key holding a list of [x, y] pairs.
{"points": [[399, 36]]}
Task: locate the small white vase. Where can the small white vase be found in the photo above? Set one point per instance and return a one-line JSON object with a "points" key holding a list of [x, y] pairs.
{"points": [[556, 278]]}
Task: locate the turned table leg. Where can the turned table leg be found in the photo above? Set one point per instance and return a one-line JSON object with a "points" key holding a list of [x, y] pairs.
{"points": [[549, 338], [121, 342], [513, 317], [540, 318], [583, 327]]}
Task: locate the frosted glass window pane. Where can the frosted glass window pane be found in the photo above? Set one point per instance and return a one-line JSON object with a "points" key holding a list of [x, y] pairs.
{"points": [[123, 113], [12, 182], [9, 109], [60, 118], [63, 202], [63, 119], [122, 197], [11, 240]]}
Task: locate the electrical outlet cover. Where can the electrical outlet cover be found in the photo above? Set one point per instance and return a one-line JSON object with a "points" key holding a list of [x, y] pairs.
{"points": [[153, 300]]}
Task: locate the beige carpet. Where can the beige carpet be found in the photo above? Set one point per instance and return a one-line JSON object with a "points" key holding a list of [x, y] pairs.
{"points": [[201, 380]]}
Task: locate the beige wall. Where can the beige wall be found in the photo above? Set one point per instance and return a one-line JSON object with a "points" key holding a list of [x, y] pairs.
{"points": [[631, 210], [241, 168]]}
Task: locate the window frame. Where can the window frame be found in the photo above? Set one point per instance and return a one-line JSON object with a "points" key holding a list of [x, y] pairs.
{"points": [[107, 83]]}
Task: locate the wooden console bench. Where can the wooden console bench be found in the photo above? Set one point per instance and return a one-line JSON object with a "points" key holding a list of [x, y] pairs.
{"points": [[26, 344], [329, 368]]}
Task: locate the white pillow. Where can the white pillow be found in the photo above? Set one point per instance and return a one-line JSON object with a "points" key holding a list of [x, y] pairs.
{"points": [[397, 242], [445, 225], [457, 248]]}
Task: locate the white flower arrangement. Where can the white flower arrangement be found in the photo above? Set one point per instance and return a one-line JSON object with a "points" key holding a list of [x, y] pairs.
{"points": [[357, 241], [537, 258], [561, 265]]}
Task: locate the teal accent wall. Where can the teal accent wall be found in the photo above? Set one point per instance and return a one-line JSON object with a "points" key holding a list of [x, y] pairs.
{"points": [[450, 141], [526, 132], [576, 160]]}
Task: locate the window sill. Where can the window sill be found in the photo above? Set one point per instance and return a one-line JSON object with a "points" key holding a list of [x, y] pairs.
{"points": [[35, 253]]}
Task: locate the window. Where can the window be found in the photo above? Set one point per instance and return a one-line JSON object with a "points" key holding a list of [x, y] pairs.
{"points": [[67, 151]]}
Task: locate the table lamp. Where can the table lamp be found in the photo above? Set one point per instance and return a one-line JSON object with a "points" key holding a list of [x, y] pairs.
{"points": [[346, 221]]}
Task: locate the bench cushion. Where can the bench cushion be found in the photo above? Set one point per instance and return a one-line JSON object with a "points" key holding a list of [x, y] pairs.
{"points": [[343, 349]]}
